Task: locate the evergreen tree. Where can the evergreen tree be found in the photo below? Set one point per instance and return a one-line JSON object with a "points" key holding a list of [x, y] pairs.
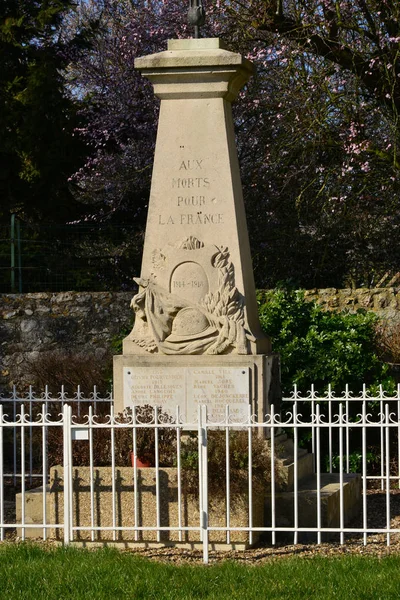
{"points": [[38, 117]]}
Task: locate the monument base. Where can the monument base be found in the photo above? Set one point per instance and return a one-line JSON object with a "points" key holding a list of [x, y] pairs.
{"points": [[190, 381]]}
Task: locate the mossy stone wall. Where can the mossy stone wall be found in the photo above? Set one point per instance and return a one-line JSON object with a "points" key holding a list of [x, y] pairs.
{"points": [[85, 322]]}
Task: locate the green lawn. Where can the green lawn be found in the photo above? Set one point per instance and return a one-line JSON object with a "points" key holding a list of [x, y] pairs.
{"points": [[29, 571]]}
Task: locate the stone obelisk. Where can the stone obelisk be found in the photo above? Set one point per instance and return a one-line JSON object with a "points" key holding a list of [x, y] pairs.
{"points": [[196, 337]]}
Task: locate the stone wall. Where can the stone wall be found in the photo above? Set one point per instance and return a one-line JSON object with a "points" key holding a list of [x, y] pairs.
{"points": [[383, 301], [31, 324]]}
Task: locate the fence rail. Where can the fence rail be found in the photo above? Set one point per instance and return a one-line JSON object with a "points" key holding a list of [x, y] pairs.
{"points": [[53, 406], [90, 491], [354, 404]]}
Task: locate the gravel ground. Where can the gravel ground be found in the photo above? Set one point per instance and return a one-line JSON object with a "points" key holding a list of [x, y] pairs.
{"points": [[260, 555], [376, 543]]}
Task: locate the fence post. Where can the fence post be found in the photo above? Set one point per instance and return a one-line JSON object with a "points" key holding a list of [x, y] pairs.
{"points": [[1, 476], [387, 449], [273, 511], [250, 475], [199, 444], [296, 474], [67, 471], [204, 481], [341, 479]]}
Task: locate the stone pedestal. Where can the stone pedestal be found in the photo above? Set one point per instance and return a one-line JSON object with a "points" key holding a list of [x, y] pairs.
{"points": [[196, 306], [123, 500], [167, 381]]}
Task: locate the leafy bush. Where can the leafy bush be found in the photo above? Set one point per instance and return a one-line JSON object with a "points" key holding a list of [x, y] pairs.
{"points": [[167, 447], [117, 340], [321, 347], [355, 461], [70, 369], [388, 341], [123, 442], [238, 463]]}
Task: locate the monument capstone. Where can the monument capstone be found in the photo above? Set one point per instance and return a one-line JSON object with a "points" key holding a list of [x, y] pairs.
{"points": [[196, 337]]}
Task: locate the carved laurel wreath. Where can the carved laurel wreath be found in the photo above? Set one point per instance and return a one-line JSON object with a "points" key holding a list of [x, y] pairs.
{"points": [[226, 301]]}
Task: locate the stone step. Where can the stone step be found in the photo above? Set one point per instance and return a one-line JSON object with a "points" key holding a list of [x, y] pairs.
{"points": [[289, 459], [284, 508], [286, 447], [307, 505], [305, 469], [33, 511]]}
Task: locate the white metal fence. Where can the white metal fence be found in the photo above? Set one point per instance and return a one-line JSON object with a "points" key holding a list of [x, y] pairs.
{"points": [[207, 483], [353, 406], [53, 406]]}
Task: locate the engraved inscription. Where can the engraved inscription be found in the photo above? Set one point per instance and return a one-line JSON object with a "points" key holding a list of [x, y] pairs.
{"points": [[190, 182], [201, 219], [165, 220], [215, 387], [191, 200], [163, 386], [189, 388], [193, 219], [191, 164], [190, 281]]}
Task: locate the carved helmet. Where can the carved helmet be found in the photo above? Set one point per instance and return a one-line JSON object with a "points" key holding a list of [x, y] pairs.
{"points": [[190, 324]]}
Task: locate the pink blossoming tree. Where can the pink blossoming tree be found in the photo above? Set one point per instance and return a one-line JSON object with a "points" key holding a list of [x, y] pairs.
{"points": [[317, 127]]}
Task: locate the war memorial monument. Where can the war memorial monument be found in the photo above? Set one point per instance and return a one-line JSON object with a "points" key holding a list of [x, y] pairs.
{"points": [[196, 338]]}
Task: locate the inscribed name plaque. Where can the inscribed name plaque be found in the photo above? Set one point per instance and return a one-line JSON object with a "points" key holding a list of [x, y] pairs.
{"points": [[189, 388], [216, 387], [164, 387]]}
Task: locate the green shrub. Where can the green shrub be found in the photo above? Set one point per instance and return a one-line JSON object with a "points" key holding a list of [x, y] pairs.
{"points": [[355, 461], [388, 341], [238, 463], [70, 369], [321, 347], [123, 441], [117, 340]]}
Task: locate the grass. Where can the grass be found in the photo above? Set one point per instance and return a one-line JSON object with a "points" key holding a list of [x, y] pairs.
{"points": [[28, 571]]}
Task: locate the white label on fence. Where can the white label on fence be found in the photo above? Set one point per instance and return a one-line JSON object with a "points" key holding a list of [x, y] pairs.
{"points": [[189, 388], [80, 434]]}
